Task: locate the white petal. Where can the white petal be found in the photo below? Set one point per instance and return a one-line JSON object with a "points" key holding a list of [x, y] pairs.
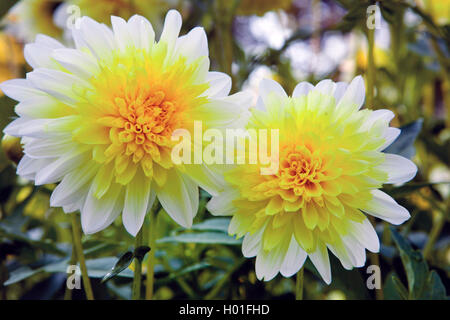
{"points": [[219, 84], [142, 32], [294, 259], [390, 135], [41, 106], [365, 233], [321, 261], [28, 167], [38, 56], [325, 87], [222, 204], [193, 45], [268, 263], [97, 214], [383, 115], [339, 91], [209, 180], [39, 53], [353, 97], [56, 83], [302, 89], [20, 89], [78, 62], [171, 30], [355, 251], [71, 187], [98, 38], [268, 87], [398, 168], [179, 198], [56, 170], [121, 35], [49, 148], [251, 244], [137, 197], [48, 42], [384, 207], [15, 126]]}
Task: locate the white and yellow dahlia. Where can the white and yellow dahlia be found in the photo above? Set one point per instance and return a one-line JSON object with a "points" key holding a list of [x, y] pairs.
{"points": [[331, 165], [99, 119], [27, 18]]}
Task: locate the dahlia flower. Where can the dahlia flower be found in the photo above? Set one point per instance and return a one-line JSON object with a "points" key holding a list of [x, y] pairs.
{"points": [[99, 118], [27, 18], [331, 165]]}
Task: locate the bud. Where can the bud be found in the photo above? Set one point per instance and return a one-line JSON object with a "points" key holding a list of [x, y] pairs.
{"points": [[12, 148]]}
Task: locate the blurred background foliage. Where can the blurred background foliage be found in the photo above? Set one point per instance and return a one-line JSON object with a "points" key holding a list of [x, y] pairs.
{"points": [[406, 62]]}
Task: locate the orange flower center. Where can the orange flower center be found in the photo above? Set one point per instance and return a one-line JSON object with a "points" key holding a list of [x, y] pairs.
{"points": [[143, 123]]}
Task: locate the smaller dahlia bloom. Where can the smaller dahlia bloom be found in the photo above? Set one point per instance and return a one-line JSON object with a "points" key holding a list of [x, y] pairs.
{"points": [[98, 119], [27, 18], [331, 165]]}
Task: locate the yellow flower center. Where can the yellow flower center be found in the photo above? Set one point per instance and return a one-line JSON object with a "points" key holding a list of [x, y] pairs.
{"points": [[140, 98], [143, 123], [300, 171]]}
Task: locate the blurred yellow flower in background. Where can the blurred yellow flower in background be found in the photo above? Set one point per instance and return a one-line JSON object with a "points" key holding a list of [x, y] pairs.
{"points": [[11, 58], [438, 9]]}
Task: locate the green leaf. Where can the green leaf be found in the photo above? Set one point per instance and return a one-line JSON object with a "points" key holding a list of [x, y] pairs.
{"points": [[201, 237], [415, 266], [400, 288], [434, 289], [404, 144], [215, 224], [121, 264], [20, 274], [183, 271]]}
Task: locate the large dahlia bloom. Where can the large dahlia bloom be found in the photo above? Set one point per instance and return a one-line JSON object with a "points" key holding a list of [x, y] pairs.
{"points": [[99, 119], [331, 165]]}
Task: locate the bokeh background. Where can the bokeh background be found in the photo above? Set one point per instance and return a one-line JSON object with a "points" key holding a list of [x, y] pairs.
{"points": [[406, 61]]}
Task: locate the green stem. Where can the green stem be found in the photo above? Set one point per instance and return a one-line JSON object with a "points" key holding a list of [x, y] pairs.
{"points": [[438, 224], [226, 278], [375, 260], [76, 230], [150, 281], [137, 280], [299, 284], [370, 68], [73, 261]]}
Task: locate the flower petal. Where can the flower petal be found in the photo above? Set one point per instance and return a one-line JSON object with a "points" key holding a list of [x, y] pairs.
{"points": [[294, 259], [179, 197], [137, 198], [398, 168], [321, 261], [384, 207]]}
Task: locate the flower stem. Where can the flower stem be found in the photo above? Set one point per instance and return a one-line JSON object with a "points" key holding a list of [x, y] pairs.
{"points": [[370, 68], [299, 284], [151, 255], [375, 260], [438, 224], [73, 261], [137, 280], [76, 230]]}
